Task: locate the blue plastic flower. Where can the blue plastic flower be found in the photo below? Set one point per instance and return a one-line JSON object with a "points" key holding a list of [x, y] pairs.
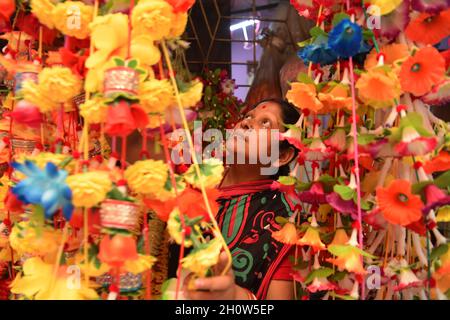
{"points": [[318, 52], [346, 39], [46, 188]]}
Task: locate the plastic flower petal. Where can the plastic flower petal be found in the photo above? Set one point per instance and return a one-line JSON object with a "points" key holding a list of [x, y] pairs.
{"points": [[116, 250], [42, 10], [428, 28], [287, 234], [392, 52], [398, 204], [193, 94], [384, 6], [439, 94], [72, 18], [37, 283], [147, 176], [94, 110], [395, 22], [174, 228], [152, 17], [211, 173], [156, 95], [318, 52], [202, 258], [89, 188], [413, 144], [378, 88], [345, 38], [335, 97], [303, 96], [439, 163], [312, 237], [422, 71], [46, 188]]}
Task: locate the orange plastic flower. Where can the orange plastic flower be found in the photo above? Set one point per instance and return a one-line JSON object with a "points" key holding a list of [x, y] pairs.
{"points": [[340, 237], [337, 97], [303, 96], [398, 204], [312, 238], [287, 234], [117, 249], [422, 71], [439, 163], [378, 88], [351, 260], [428, 28], [392, 52]]}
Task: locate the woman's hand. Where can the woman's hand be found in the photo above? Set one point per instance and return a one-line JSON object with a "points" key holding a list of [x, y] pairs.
{"points": [[217, 287]]}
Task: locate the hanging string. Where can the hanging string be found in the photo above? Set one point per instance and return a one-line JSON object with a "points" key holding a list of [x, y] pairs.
{"points": [[216, 228], [356, 157]]}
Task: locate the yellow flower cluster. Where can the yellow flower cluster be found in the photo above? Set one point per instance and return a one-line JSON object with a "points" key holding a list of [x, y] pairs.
{"points": [[211, 174], [156, 95], [38, 282], [147, 177], [152, 17], [25, 239], [56, 85], [94, 110], [178, 25], [89, 188], [174, 228], [42, 10], [202, 259], [72, 18], [191, 97]]}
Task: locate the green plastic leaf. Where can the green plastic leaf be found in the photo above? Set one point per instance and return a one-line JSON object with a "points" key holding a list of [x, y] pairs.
{"points": [[438, 251], [365, 138], [338, 17], [417, 188], [132, 63], [303, 186], [319, 273], [281, 220], [287, 180], [304, 78], [119, 62], [346, 193], [367, 34], [443, 181], [303, 43], [317, 31]]}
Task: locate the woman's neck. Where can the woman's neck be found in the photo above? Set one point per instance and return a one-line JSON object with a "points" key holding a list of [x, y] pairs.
{"points": [[241, 173]]}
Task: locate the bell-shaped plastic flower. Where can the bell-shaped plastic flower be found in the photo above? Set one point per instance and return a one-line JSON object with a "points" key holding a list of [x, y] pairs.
{"points": [[346, 39]]}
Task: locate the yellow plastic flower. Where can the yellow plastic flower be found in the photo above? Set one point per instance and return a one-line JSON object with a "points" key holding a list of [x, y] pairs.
{"points": [[155, 120], [32, 94], [109, 36], [94, 110], [178, 25], [42, 10], [141, 264], [89, 188], [384, 6], [211, 173], [174, 228], [156, 95], [147, 176], [201, 259], [59, 83], [443, 214], [378, 88], [92, 269], [25, 239], [152, 17], [191, 97], [37, 282], [338, 97], [72, 18], [41, 160]]}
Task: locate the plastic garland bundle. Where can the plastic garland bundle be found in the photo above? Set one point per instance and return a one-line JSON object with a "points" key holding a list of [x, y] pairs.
{"points": [[373, 169], [69, 204]]}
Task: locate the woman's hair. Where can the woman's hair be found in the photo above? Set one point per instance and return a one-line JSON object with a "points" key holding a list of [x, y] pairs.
{"points": [[289, 115]]}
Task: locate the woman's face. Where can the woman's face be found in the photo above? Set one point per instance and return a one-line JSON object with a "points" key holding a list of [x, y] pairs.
{"points": [[256, 131]]}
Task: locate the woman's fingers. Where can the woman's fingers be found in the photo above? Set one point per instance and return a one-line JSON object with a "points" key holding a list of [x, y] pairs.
{"points": [[219, 283], [221, 264]]}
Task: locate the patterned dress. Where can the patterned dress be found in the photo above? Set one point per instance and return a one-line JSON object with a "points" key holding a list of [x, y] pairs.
{"points": [[247, 219]]}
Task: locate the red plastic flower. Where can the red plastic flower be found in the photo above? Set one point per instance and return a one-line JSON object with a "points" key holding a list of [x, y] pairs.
{"points": [[398, 204], [422, 71], [439, 163], [123, 118], [428, 28], [74, 61], [27, 113]]}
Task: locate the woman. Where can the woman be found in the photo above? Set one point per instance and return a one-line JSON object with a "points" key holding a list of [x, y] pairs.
{"points": [[248, 207]]}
